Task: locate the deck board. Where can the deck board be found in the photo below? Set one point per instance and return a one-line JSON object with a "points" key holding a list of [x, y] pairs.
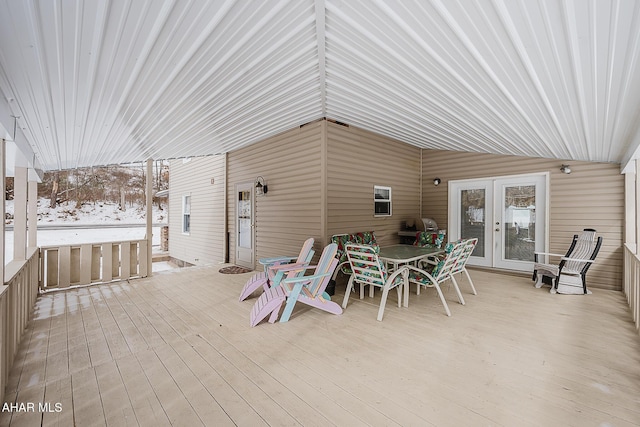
{"points": [[177, 348]]}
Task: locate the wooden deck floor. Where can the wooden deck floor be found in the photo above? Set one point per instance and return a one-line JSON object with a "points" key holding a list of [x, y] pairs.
{"points": [[177, 349]]}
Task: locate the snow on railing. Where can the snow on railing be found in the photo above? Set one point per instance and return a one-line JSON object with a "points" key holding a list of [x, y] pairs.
{"points": [[88, 263], [632, 283], [17, 299]]}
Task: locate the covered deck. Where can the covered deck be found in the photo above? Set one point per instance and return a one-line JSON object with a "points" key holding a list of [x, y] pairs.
{"points": [[176, 349]]}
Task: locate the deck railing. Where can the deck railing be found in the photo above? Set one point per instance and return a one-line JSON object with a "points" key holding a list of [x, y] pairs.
{"points": [[632, 283], [17, 299], [83, 264]]}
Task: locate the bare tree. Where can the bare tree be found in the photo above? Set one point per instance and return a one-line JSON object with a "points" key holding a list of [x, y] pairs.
{"points": [[54, 189]]}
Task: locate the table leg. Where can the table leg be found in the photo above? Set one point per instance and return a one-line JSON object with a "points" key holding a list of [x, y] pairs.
{"points": [[406, 294]]}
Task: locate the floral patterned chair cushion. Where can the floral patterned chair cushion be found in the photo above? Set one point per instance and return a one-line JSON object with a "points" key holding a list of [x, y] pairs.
{"points": [[369, 270], [377, 272], [363, 238], [446, 263], [429, 239]]}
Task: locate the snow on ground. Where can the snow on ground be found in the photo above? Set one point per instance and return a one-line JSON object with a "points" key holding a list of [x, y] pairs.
{"points": [[90, 213], [93, 216]]}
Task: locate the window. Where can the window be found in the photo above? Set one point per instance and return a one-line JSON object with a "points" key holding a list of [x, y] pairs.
{"points": [[382, 200], [186, 214]]}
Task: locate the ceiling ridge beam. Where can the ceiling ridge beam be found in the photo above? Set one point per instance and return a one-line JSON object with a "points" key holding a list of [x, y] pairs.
{"points": [[321, 13]]}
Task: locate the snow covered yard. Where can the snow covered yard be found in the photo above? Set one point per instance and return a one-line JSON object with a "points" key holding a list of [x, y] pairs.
{"points": [[89, 213], [99, 222]]}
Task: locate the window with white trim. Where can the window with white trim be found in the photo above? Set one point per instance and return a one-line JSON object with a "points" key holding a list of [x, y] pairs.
{"points": [[186, 214], [381, 200]]}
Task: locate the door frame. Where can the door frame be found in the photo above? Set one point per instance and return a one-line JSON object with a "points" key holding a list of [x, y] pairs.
{"points": [[251, 252], [493, 188]]}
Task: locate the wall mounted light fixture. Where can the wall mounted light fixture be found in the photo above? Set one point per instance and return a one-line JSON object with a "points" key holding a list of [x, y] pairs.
{"points": [[261, 186], [436, 181], [565, 169]]}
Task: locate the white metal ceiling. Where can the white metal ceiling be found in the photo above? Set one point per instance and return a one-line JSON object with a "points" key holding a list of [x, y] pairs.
{"points": [[115, 81]]}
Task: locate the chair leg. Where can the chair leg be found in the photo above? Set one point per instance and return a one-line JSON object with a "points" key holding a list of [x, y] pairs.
{"points": [[275, 313], [473, 288], [292, 298], [444, 302], [457, 288], [383, 302], [399, 292], [347, 292]]}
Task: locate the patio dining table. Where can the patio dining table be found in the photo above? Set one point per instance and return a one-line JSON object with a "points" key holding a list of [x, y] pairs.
{"points": [[397, 255]]}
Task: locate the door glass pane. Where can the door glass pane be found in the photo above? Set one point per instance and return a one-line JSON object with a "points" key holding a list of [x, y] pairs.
{"points": [[519, 222], [473, 205], [244, 219]]}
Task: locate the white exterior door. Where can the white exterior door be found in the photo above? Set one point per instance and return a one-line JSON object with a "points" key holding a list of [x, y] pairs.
{"points": [[245, 226], [507, 215]]}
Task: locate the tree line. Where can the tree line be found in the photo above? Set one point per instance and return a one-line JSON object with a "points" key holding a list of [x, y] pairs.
{"points": [[122, 184]]}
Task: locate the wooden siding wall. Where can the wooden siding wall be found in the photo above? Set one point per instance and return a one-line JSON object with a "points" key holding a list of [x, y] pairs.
{"points": [[356, 161], [592, 196], [292, 209], [205, 244]]}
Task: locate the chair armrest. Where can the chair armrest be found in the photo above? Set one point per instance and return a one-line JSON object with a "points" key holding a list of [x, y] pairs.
{"points": [[431, 260], [290, 267], [298, 285], [338, 269], [404, 270], [421, 271], [548, 253], [278, 259], [564, 258], [305, 278]]}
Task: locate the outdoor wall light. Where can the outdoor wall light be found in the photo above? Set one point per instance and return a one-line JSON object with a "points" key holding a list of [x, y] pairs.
{"points": [[261, 186], [437, 181], [565, 169]]}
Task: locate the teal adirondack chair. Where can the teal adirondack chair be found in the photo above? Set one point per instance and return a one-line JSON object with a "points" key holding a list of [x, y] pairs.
{"points": [[309, 290], [278, 267]]}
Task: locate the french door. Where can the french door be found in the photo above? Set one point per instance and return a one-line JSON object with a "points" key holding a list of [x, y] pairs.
{"points": [[507, 215], [244, 225]]}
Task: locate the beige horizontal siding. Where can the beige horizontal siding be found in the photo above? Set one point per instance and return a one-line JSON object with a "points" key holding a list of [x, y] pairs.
{"points": [[291, 211], [592, 196], [205, 244], [356, 161], [321, 179]]}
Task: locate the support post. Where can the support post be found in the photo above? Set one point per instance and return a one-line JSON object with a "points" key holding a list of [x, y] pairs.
{"points": [[149, 216], [634, 217], [3, 194], [32, 212], [20, 213]]}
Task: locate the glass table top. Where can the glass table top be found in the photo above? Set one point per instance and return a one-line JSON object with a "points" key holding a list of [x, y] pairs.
{"points": [[406, 253]]}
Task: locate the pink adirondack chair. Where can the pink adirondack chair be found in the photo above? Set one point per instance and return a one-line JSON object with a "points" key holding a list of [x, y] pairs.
{"points": [[309, 290], [278, 266]]}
